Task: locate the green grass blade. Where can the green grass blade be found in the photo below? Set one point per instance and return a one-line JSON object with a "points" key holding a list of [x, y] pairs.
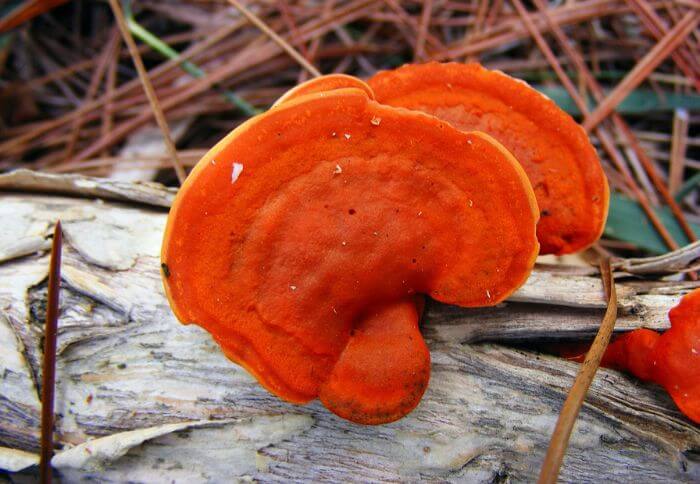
{"points": [[141, 33], [637, 102], [628, 222], [688, 186]]}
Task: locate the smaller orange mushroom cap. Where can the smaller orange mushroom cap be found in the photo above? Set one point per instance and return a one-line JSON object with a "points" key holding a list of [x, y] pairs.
{"points": [[563, 167], [671, 359], [677, 356], [633, 352], [301, 240]]}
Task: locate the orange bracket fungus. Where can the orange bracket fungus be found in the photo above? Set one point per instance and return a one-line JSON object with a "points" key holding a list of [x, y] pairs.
{"points": [[569, 183], [671, 359], [302, 240]]}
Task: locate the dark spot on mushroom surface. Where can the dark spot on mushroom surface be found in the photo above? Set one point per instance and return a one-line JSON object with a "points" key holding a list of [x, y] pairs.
{"points": [[165, 269], [545, 213], [352, 211]]}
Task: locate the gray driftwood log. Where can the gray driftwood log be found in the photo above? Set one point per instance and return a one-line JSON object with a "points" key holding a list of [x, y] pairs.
{"points": [[142, 398]]}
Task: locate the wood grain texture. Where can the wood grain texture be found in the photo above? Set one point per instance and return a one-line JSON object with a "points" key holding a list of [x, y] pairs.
{"points": [[143, 398]]}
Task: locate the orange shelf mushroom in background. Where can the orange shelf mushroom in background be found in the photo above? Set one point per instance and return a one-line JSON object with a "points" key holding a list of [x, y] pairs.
{"points": [[562, 165], [671, 359], [301, 240]]}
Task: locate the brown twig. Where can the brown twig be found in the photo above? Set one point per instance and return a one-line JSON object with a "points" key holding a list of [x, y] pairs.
{"points": [[148, 87], [577, 394], [48, 378]]}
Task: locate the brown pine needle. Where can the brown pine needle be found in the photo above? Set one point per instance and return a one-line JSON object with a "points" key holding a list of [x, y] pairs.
{"points": [[148, 87], [679, 143], [26, 11], [97, 76], [572, 405], [419, 51], [657, 27], [641, 71], [48, 376], [255, 20]]}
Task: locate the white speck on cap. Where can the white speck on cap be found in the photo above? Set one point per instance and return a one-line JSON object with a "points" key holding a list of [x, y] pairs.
{"points": [[236, 172], [338, 170], [293, 288], [347, 135]]}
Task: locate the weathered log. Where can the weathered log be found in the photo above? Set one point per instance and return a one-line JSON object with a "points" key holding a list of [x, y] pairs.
{"points": [[141, 397]]}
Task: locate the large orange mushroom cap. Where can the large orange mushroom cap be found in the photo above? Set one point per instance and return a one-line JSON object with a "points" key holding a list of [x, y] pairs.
{"points": [[562, 165], [301, 239]]}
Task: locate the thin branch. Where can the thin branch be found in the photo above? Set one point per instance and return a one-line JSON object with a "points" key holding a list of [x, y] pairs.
{"points": [[148, 87], [48, 377], [577, 394]]}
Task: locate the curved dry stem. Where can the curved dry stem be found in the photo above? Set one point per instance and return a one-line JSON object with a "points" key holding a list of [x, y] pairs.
{"points": [[572, 405]]}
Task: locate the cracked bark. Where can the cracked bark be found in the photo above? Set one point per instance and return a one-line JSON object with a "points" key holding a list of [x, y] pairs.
{"points": [[140, 397]]}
